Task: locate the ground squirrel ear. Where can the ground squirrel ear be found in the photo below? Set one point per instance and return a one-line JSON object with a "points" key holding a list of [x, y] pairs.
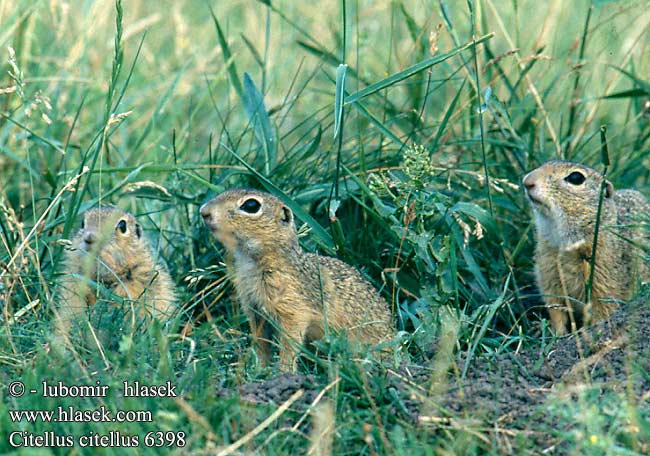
{"points": [[609, 189], [287, 215]]}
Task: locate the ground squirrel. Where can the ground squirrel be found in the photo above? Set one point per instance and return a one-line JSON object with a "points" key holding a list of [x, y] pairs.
{"points": [[111, 251], [278, 284], [565, 196]]}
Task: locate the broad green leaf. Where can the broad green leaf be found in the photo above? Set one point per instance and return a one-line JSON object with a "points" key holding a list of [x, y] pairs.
{"points": [[259, 118]]}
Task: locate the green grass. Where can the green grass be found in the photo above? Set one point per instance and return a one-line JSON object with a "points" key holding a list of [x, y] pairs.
{"points": [[155, 108]]}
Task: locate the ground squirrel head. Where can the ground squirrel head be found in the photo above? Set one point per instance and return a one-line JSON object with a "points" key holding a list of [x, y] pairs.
{"points": [[249, 221], [565, 198], [114, 238]]}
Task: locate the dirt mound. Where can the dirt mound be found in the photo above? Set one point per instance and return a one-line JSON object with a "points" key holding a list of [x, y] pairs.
{"points": [[511, 391], [600, 354], [279, 389], [508, 391]]}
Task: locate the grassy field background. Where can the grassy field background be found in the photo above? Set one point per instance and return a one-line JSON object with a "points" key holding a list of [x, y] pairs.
{"points": [[406, 164]]}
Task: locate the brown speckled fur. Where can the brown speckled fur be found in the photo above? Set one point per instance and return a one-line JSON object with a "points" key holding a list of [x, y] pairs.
{"points": [[277, 282], [565, 220], [122, 262]]}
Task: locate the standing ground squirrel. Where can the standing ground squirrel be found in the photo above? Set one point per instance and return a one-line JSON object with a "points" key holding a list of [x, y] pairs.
{"points": [[277, 282], [565, 196], [110, 250]]}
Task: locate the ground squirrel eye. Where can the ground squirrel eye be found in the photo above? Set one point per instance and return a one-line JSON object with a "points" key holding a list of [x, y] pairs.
{"points": [[575, 178], [83, 224], [250, 206], [122, 226]]}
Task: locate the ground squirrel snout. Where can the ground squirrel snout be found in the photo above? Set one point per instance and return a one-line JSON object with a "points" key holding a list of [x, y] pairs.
{"points": [[111, 250], [281, 286], [565, 197]]}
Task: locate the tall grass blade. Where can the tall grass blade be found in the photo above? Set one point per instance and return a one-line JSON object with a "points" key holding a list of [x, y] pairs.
{"points": [[162, 101], [410, 24], [632, 93], [130, 74], [468, 256], [377, 123], [53, 143], [256, 56], [311, 148], [604, 150], [645, 85], [524, 72], [330, 59], [476, 339], [486, 96], [118, 55], [413, 69], [259, 118], [445, 119], [227, 56], [339, 97], [604, 156], [576, 82]]}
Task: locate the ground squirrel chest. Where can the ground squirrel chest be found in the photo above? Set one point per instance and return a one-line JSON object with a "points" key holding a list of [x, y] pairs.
{"points": [[111, 250], [565, 197], [280, 285]]}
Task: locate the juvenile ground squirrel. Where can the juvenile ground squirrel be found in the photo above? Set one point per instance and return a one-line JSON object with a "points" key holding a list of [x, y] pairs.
{"points": [[111, 251], [277, 283], [565, 196]]}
